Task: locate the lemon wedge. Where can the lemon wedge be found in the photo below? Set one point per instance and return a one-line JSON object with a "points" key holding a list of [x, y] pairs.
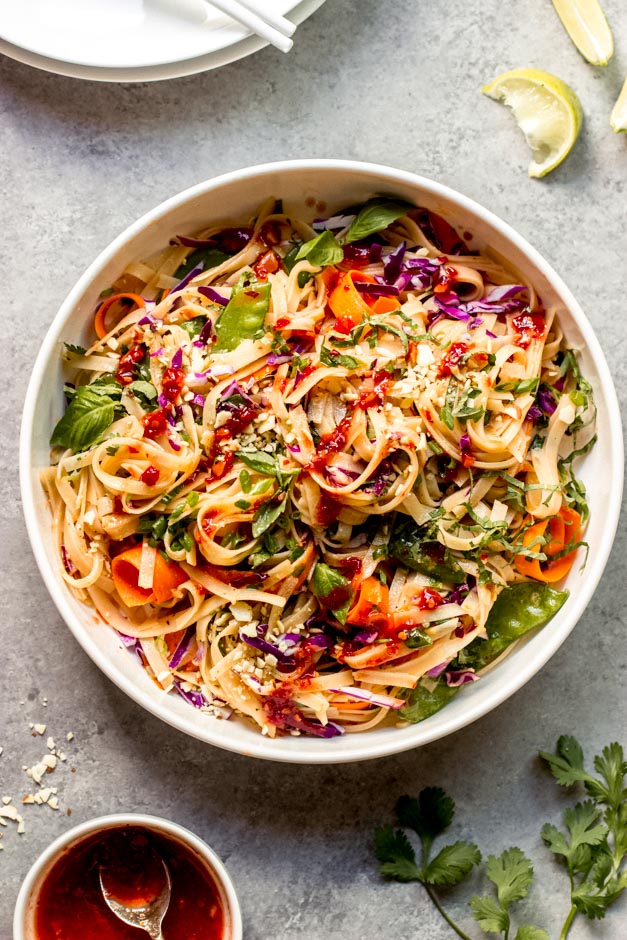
{"points": [[618, 118], [585, 23], [547, 111]]}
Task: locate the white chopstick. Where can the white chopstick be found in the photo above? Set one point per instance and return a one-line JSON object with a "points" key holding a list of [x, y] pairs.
{"points": [[261, 23], [279, 22]]}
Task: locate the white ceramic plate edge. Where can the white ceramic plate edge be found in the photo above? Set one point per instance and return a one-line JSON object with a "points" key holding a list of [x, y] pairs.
{"points": [[180, 69], [415, 735]]}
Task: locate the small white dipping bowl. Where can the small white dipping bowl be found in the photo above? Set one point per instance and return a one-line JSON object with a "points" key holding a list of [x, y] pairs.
{"points": [[310, 188], [26, 904]]}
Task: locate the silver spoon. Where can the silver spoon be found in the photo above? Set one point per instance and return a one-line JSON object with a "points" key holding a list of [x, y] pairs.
{"points": [[149, 916]]}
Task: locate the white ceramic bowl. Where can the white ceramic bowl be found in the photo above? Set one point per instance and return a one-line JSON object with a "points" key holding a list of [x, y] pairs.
{"points": [[24, 917], [301, 184]]}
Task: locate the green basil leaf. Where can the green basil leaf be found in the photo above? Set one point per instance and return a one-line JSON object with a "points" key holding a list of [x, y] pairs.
{"points": [[266, 516], [330, 584], [519, 388], [88, 416], [146, 389], [329, 357], [244, 315], [321, 251], [375, 215], [259, 461], [417, 638], [289, 259]]}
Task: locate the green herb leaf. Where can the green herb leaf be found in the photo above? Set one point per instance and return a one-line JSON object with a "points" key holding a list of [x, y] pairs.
{"points": [[327, 581], [321, 251], [77, 350], [146, 389], [329, 357], [417, 638], [489, 914], [511, 873], [88, 416], [583, 822], [429, 815], [452, 864], [374, 216], [612, 766], [567, 764], [527, 932], [267, 515], [519, 388], [397, 857], [259, 461]]}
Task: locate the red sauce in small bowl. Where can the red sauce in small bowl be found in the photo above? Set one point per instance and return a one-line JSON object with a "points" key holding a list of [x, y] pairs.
{"points": [[71, 906]]}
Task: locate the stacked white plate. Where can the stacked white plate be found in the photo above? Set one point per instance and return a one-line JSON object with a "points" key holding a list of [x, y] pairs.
{"points": [[130, 40]]}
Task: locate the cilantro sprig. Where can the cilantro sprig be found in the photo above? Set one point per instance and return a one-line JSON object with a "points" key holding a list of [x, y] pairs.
{"points": [[592, 847], [428, 816]]}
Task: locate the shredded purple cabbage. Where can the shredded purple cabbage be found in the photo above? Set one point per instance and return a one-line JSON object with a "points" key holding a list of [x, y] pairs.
{"points": [[264, 647], [197, 699], [205, 334], [451, 305], [504, 292], [177, 359], [457, 677], [366, 636], [213, 295], [457, 596], [276, 359], [182, 647], [464, 444], [199, 399], [188, 277], [127, 640], [394, 264], [376, 290], [437, 670], [546, 401]]}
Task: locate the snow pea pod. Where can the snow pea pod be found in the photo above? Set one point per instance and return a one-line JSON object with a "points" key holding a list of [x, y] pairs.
{"points": [[244, 315], [421, 702], [518, 609]]}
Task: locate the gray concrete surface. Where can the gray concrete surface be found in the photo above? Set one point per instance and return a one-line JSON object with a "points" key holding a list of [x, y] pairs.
{"points": [[395, 83]]}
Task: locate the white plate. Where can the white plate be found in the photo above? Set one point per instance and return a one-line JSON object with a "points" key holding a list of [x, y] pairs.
{"points": [[302, 184], [130, 40]]}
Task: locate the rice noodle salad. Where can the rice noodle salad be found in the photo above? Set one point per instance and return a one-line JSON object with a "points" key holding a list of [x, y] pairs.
{"points": [[321, 475]]}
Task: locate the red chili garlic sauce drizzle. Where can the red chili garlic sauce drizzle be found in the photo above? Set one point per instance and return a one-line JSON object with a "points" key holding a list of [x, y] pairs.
{"points": [[71, 905]]}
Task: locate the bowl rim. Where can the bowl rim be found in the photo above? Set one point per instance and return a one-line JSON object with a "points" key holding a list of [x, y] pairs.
{"points": [[414, 735], [114, 821]]}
